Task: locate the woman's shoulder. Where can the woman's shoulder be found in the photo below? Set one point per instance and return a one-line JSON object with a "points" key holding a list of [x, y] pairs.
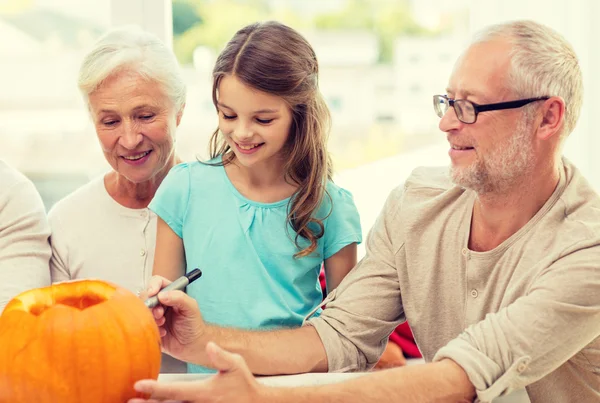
{"points": [[82, 197]]}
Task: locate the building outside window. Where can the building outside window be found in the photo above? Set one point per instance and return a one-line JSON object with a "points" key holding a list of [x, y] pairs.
{"points": [[381, 61]]}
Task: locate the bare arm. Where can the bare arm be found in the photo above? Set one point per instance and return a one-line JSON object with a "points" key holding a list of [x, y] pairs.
{"points": [[338, 265], [444, 381], [271, 352], [185, 336], [169, 256]]}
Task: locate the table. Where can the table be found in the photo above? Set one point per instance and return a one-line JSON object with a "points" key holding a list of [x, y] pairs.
{"points": [[281, 380], [319, 379]]}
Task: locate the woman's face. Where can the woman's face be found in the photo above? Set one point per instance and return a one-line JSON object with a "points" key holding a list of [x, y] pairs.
{"points": [[136, 123]]}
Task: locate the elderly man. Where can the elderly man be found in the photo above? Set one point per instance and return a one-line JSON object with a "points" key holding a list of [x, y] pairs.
{"points": [[24, 231], [495, 265]]}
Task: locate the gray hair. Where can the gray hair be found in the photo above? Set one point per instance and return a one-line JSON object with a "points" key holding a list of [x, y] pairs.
{"points": [[131, 48], [543, 63]]}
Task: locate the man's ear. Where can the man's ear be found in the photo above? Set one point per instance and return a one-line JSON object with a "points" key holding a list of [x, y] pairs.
{"points": [[553, 118], [180, 114]]}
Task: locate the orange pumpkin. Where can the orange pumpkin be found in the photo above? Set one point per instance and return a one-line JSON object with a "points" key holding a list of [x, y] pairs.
{"points": [[76, 341]]}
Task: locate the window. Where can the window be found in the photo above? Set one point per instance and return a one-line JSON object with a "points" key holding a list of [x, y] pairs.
{"points": [[380, 63], [374, 58], [45, 131], [577, 22]]}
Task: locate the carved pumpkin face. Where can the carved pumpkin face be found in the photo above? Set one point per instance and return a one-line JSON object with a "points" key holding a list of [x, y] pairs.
{"points": [[76, 341]]}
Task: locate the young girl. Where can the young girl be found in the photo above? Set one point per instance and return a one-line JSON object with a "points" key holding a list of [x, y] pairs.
{"points": [[262, 216]]}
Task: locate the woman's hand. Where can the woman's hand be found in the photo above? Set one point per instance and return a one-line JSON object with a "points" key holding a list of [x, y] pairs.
{"points": [[179, 321], [233, 383]]}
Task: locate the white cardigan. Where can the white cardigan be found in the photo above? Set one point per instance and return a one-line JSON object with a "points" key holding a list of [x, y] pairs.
{"points": [[93, 236]]}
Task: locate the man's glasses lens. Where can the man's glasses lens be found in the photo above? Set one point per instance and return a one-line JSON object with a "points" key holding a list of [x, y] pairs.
{"points": [[465, 111], [440, 104]]}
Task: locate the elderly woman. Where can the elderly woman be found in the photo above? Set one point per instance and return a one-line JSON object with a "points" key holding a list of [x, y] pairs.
{"points": [[135, 95]]}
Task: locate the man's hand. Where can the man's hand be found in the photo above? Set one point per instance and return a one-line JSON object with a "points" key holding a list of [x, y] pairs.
{"points": [[233, 383], [179, 321]]}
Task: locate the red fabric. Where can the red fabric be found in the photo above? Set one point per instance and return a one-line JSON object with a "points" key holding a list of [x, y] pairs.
{"points": [[322, 281], [402, 335]]}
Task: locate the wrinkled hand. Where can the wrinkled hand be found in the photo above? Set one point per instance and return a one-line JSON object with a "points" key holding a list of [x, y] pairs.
{"points": [[233, 383], [178, 317], [391, 357]]}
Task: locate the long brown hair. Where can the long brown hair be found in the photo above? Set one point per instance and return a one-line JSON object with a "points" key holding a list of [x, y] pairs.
{"points": [[274, 58]]}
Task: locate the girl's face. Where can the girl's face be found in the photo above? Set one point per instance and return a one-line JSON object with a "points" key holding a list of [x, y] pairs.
{"points": [[255, 124]]}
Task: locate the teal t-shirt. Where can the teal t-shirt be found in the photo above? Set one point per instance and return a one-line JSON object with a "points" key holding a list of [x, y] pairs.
{"points": [[250, 279]]}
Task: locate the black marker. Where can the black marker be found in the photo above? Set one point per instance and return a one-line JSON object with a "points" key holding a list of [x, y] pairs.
{"points": [[178, 284]]}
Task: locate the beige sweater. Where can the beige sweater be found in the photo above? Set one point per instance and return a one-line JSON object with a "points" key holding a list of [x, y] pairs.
{"points": [[526, 313], [24, 232]]}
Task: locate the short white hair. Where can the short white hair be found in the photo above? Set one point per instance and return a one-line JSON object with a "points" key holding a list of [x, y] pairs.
{"points": [[543, 63], [129, 48]]}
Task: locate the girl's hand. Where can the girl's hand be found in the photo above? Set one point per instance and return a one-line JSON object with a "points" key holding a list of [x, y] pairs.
{"points": [[179, 321]]}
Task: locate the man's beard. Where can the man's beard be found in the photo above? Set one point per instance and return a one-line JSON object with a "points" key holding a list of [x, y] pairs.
{"points": [[500, 170]]}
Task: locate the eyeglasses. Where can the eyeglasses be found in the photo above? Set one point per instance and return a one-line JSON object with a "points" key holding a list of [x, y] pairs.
{"points": [[467, 111]]}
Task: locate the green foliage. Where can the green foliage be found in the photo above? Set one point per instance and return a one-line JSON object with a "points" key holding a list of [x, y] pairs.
{"points": [[184, 17], [219, 21], [379, 141], [387, 19], [212, 23], [356, 15], [218, 26]]}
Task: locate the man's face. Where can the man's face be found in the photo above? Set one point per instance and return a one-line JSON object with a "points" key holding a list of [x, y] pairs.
{"points": [[492, 153]]}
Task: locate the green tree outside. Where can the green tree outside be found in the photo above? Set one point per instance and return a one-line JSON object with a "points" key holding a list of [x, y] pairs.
{"points": [[212, 23], [386, 19], [217, 22]]}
